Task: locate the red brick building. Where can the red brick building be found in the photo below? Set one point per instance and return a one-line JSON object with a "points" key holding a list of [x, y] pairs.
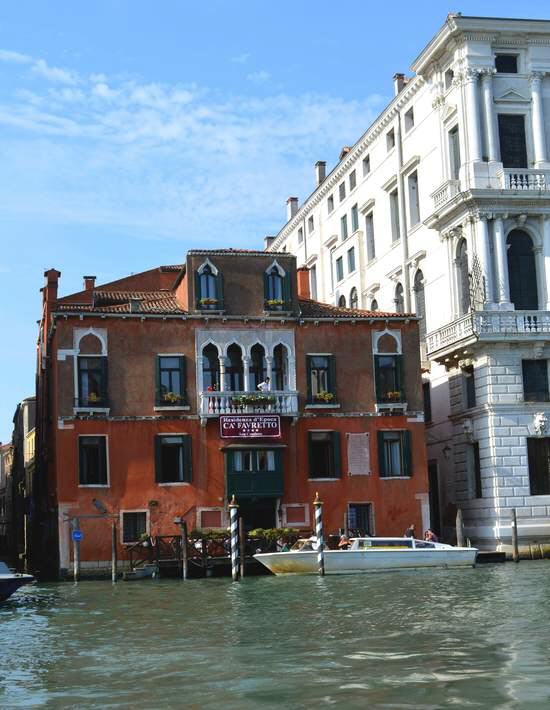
{"points": [[149, 402]]}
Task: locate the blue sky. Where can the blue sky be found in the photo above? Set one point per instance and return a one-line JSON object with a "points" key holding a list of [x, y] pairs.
{"points": [[131, 131]]}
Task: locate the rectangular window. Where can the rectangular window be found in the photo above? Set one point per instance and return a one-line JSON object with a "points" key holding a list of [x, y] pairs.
{"points": [[369, 236], [414, 205], [535, 380], [170, 380], [474, 465], [344, 227], [360, 519], [394, 215], [538, 455], [332, 270], [310, 224], [321, 374], [449, 76], [409, 119], [342, 191], [354, 218], [173, 458], [388, 378], [390, 139], [300, 235], [352, 180], [454, 153], [324, 454], [313, 282], [394, 454], [330, 203], [513, 147], [469, 386], [339, 269], [366, 165], [426, 391], [134, 526], [506, 63], [92, 458], [92, 382], [248, 461], [351, 260]]}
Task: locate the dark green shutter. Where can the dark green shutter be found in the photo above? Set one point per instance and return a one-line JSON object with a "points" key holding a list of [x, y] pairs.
{"points": [[81, 471], [312, 473], [332, 374], [308, 377], [266, 287], [219, 290], [287, 290], [399, 376], [102, 473], [381, 457], [104, 382], [336, 453], [157, 380], [187, 458], [377, 379], [183, 383], [158, 459], [197, 289], [407, 453]]}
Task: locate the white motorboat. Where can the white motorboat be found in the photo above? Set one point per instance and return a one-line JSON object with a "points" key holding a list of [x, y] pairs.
{"points": [[11, 581], [368, 554]]}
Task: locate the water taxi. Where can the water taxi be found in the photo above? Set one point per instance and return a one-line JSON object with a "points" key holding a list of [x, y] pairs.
{"points": [[11, 581], [368, 554]]}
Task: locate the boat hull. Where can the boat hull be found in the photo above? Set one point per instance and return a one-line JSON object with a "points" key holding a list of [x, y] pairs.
{"points": [[363, 561], [10, 584]]}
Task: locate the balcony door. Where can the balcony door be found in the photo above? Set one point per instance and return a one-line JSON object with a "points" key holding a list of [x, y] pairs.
{"points": [[522, 272], [513, 148]]}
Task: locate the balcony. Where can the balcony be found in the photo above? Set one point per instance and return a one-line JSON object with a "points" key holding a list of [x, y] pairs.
{"points": [[212, 404], [444, 193], [489, 326], [256, 483], [391, 402], [518, 179]]}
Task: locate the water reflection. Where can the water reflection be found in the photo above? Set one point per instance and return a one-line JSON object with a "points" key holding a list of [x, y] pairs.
{"points": [[429, 639]]}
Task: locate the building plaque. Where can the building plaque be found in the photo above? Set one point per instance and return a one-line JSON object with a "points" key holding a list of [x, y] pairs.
{"points": [[237, 426]]}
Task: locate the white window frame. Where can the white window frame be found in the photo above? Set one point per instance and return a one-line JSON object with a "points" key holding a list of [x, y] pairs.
{"points": [[134, 510]]}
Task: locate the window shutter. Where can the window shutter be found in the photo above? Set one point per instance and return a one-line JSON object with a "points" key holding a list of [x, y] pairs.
{"points": [[336, 453], [287, 290], [266, 287], [157, 380], [187, 458], [219, 290], [381, 457], [310, 455], [82, 479], [183, 382], [197, 289], [102, 460], [332, 374], [104, 382], [158, 459], [308, 377], [377, 381], [399, 375], [407, 453]]}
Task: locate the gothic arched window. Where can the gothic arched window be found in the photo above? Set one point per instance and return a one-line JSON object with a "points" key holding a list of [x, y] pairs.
{"points": [[399, 299]]}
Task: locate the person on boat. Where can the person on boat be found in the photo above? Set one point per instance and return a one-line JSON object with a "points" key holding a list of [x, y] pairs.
{"points": [[430, 536], [343, 543], [410, 531]]}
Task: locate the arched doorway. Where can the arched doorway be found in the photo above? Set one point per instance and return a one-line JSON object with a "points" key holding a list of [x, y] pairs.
{"points": [[257, 366], [211, 368], [234, 368], [522, 272]]}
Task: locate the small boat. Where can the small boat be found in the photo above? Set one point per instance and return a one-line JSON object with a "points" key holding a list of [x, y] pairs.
{"points": [[368, 554], [11, 581]]}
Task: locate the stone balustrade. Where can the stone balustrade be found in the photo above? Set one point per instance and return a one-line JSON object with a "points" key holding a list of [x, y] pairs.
{"points": [[444, 193], [519, 179], [212, 404]]}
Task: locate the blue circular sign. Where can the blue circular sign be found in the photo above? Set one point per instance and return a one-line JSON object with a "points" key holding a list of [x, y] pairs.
{"points": [[78, 535]]}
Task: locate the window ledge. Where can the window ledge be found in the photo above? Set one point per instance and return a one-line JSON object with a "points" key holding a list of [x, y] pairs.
{"points": [[316, 480], [395, 478], [94, 485], [284, 314], [176, 407], [175, 483], [91, 410], [387, 406], [210, 311], [322, 406]]}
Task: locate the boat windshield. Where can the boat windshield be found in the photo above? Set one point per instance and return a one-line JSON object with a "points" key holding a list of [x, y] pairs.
{"points": [[383, 544], [303, 546]]}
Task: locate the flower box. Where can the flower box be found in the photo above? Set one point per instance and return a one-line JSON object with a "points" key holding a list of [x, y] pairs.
{"points": [[171, 398], [323, 397], [255, 400]]}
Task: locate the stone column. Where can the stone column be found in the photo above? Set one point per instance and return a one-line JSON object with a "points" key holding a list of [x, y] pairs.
{"points": [[537, 117], [269, 369], [292, 374], [545, 219], [246, 373], [503, 286], [472, 115], [484, 254], [491, 141], [222, 374]]}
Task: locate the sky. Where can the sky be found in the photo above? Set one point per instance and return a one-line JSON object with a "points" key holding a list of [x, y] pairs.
{"points": [[132, 131]]}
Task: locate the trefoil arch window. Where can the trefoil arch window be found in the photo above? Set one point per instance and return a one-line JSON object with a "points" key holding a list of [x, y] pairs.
{"points": [[276, 288], [209, 287]]}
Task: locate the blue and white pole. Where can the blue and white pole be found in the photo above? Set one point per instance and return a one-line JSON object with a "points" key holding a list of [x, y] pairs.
{"points": [[234, 528], [318, 505]]}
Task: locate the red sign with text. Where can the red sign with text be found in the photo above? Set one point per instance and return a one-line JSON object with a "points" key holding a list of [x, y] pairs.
{"points": [[235, 426]]}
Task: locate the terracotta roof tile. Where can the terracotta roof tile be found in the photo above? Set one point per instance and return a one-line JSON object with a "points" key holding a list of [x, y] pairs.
{"points": [[316, 309], [119, 302]]}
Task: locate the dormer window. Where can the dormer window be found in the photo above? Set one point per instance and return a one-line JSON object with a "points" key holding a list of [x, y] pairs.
{"points": [[209, 290], [276, 288]]}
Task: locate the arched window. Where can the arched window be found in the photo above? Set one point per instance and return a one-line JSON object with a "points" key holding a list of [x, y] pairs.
{"points": [[462, 277], [522, 272], [388, 370], [211, 368], [208, 287], [276, 289], [92, 373], [257, 366], [234, 369], [342, 302], [280, 368], [420, 299], [353, 300], [374, 305], [399, 299]]}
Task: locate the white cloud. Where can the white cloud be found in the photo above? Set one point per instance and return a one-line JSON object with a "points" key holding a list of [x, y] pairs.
{"points": [[241, 58], [259, 77], [63, 76], [14, 57]]}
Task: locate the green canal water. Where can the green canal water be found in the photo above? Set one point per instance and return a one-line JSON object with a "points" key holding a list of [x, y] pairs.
{"points": [[478, 638]]}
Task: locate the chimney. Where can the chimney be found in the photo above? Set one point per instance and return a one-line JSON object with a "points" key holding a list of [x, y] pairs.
{"points": [[345, 150], [320, 171], [135, 305], [89, 283], [302, 274], [50, 287], [291, 207], [268, 241], [399, 82]]}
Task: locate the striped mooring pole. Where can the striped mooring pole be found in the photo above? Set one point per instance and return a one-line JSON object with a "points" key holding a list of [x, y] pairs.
{"points": [[234, 527], [318, 505]]}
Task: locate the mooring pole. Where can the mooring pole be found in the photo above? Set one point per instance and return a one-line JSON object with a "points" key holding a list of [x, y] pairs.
{"points": [[241, 545], [318, 505], [113, 553], [234, 528], [184, 550], [76, 549], [515, 547], [459, 528]]}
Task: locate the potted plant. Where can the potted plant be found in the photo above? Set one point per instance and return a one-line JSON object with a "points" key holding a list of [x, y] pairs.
{"points": [[393, 396], [93, 397], [253, 400], [324, 397], [274, 303], [208, 301], [171, 398]]}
